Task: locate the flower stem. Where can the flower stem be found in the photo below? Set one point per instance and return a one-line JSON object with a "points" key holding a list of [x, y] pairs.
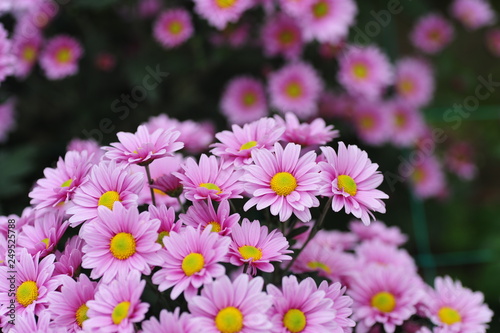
{"points": [[150, 182], [180, 204], [245, 268]]}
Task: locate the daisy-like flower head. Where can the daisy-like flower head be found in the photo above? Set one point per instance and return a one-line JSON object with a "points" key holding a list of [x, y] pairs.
{"points": [[365, 71], [203, 214], [26, 49], [34, 282], [407, 123], [432, 33], [7, 59], [68, 307], [234, 35], [7, 119], [43, 236], [60, 183], [473, 14], [296, 88], [377, 253], [414, 81], [27, 323], [328, 20], [230, 307], [117, 306], [143, 147], [378, 230], [336, 105], [173, 27], [169, 322], [60, 57], [283, 181], [427, 178], [107, 183], [236, 146], [281, 35], [384, 295], [69, 261], [253, 245], [372, 122], [90, 146], [121, 240], [300, 307], [243, 100], [351, 179], [209, 179], [220, 12], [460, 160], [308, 135], [493, 41], [191, 261], [334, 265], [295, 8], [335, 240], [455, 308], [167, 221], [342, 304]]}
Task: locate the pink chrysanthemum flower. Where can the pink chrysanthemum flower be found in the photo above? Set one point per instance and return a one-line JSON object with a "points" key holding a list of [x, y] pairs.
{"points": [[294, 8], [342, 304], [26, 49], [427, 178], [236, 146], [336, 105], [432, 33], [493, 41], [281, 35], [233, 35], [243, 100], [90, 146], [383, 295], [34, 282], [238, 306], [283, 181], [68, 307], [255, 246], [7, 121], [148, 8], [173, 27], [143, 147], [372, 122], [117, 306], [334, 265], [26, 323], [336, 240], [455, 308], [220, 12], [406, 123], [296, 88], [473, 14], [308, 135], [167, 219], [43, 236], [60, 183], [414, 81], [300, 307], [209, 179], [107, 183], [378, 230], [7, 58], [377, 253], [69, 261], [365, 71], [120, 240], [328, 20], [460, 160], [170, 322], [204, 214], [351, 179], [191, 261], [60, 57]]}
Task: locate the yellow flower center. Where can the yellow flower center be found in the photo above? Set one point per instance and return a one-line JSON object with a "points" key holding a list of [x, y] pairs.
{"points": [[283, 183], [108, 199], [159, 192], [215, 226], [360, 71], [29, 53], [418, 175], [286, 37], [192, 263], [320, 9], [248, 251], [248, 145], [294, 320], [229, 320], [46, 242], [449, 315], [211, 186], [122, 245], [317, 265], [63, 55], [175, 27], [120, 312], [81, 314], [435, 36], [405, 87], [384, 301], [249, 99], [294, 90], [400, 120], [346, 183], [225, 3], [67, 183], [367, 122], [162, 235], [27, 293]]}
